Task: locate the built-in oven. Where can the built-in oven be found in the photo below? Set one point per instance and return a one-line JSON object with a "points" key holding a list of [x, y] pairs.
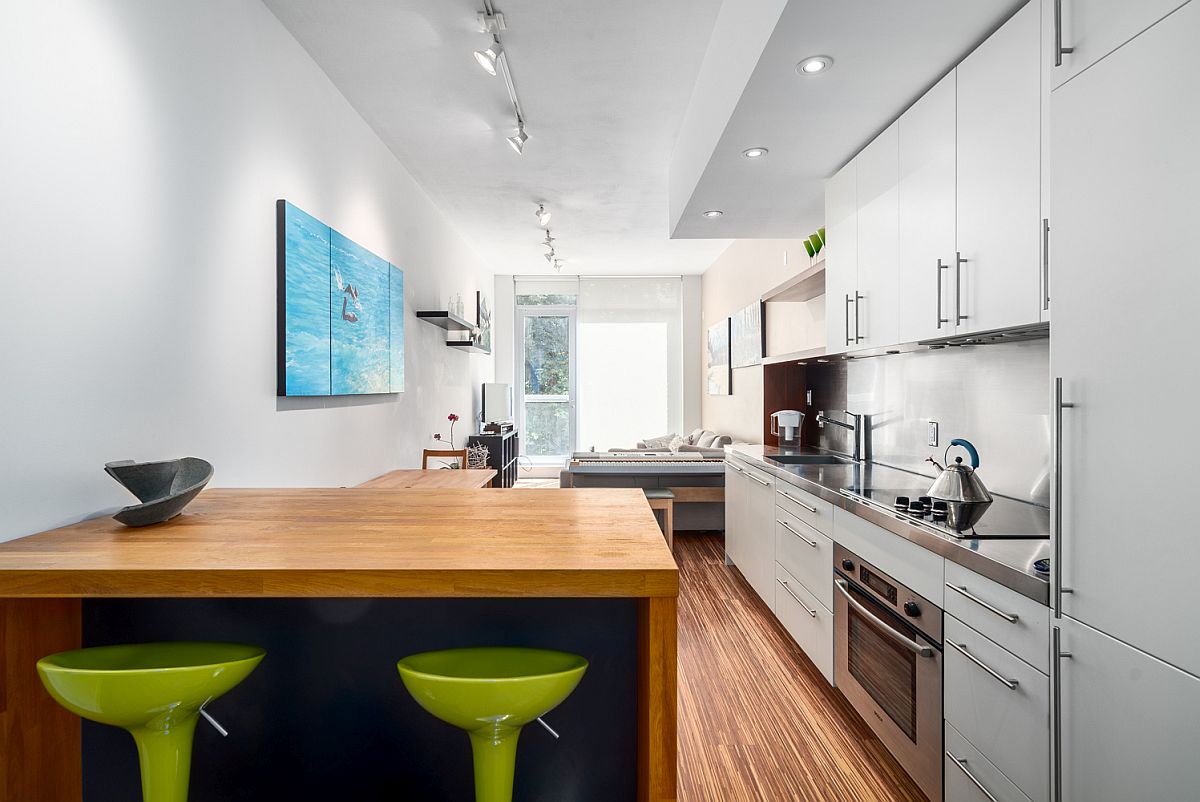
{"points": [[888, 664]]}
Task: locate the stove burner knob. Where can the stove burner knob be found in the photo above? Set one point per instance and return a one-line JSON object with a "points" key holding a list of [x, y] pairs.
{"points": [[847, 565], [912, 609]]}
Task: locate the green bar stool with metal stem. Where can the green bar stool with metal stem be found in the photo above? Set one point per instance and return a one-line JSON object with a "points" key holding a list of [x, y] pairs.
{"points": [[156, 691], [492, 693]]}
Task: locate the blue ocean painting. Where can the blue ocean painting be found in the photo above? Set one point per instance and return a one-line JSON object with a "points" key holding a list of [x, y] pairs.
{"points": [[360, 319], [397, 330], [306, 282]]}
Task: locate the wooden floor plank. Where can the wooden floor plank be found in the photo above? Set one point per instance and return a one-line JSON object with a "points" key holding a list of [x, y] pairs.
{"points": [[757, 721]]}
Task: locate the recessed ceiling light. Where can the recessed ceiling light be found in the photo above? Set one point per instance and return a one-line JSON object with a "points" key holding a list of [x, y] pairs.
{"points": [[755, 153], [814, 65], [519, 139], [713, 213], [488, 58]]}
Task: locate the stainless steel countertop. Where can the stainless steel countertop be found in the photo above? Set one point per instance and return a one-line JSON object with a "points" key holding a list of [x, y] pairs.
{"points": [[1008, 561]]}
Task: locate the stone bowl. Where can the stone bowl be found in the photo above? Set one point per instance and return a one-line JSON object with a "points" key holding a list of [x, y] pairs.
{"points": [[164, 488]]}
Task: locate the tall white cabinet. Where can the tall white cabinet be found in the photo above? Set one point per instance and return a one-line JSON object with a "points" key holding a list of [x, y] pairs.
{"points": [[1123, 184]]}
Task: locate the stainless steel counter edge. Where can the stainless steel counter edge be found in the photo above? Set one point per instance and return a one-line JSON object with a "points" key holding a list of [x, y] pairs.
{"points": [[959, 551]]}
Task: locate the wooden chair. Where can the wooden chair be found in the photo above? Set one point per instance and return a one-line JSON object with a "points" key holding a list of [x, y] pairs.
{"points": [[461, 453], [661, 498]]}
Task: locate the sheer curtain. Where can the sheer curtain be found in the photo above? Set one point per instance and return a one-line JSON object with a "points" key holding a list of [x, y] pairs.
{"points": [[630, 340]]}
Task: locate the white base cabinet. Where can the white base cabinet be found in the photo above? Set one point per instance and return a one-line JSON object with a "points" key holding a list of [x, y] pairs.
{"points": [[809, 622], [1130, 724], [750, 511]]}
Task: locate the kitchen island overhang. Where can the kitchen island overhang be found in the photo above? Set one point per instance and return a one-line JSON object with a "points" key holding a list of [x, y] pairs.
{"points": [[342, 543]]}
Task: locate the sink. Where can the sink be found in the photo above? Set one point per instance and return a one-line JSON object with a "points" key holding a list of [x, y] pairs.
{"points": [[811, 459]]}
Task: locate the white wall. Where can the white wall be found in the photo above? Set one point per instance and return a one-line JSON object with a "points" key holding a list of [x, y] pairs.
{"points": [[740, 276], [143, 146]]}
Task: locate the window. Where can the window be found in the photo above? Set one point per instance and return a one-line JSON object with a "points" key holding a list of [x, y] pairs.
{"points": [[547, 387]]}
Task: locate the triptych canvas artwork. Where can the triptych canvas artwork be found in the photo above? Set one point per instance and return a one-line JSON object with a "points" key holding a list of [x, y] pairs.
{"points": [[340, 313]]}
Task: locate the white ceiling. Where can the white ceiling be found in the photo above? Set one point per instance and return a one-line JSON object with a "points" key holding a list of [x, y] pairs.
{"points": [[886, 54], [604, 87]]}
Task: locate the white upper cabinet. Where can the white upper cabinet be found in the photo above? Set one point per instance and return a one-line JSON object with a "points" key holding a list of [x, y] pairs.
{"points": [[1091, 29], [877, 307], [999, 179], [927, 164], [841, 258], [1123, 263]]}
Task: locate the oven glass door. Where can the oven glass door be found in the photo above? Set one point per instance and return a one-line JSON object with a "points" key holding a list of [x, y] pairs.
{"points": [[893, 677]]}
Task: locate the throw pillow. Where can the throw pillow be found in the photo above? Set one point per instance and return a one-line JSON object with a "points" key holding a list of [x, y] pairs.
{"points": [[677, 442], [706, 439], [659, 442], [694, 436]]}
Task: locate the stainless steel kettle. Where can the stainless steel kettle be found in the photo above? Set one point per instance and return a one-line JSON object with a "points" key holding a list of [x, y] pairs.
{"points": [[961, 488]]}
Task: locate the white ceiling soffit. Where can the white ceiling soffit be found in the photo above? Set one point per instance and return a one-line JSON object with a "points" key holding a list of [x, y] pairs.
{"points": [[603, 86], [886, 54]]}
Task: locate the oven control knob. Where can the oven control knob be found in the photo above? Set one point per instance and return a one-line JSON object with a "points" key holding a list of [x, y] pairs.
{"points": [[847, 565], [912, 609]]}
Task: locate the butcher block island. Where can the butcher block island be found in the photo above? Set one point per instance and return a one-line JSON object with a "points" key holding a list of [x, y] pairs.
{"points": [[337, 584]]}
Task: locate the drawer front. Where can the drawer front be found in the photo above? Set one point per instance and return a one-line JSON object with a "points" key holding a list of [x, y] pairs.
{"points": [[921, 570], [808, 621], [967, 770], [757, 476], [815, 512], [1011, 726], [806, 554], [987, 607]]}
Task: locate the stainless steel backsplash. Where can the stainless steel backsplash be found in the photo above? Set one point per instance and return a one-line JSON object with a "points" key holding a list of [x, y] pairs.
{"points": [[996, 396]]}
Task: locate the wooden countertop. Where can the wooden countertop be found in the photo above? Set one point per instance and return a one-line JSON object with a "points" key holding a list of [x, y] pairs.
{"points": [[545, 542], [432, 478]]}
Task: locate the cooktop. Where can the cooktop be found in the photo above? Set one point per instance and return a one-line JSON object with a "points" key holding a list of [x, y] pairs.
{"points": [[1005, 518]]}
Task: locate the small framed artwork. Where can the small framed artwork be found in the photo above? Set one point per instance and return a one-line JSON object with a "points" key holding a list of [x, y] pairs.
{"points": [[718, 370], [746, 344], [483, 321]]}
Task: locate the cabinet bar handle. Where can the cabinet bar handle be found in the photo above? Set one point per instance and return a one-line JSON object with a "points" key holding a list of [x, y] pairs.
{"points": [[1056, 709], [959, 261], [788, 527], [1045, 263], [962, 589], [813, 613], [848, 319], [1056, 563], [940, 268], [734, 467], [760, 481], [962, 765], [1059, 50], [857, 306], [913, 646], [790, 497], [1011, 684]]}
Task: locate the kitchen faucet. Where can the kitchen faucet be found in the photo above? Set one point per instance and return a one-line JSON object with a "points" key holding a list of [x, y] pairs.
{"points": [[856, 427]]}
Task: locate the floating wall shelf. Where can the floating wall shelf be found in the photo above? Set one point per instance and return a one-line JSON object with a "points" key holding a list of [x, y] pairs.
{"points": [[467, 345], [804, 286], [446, 320]]}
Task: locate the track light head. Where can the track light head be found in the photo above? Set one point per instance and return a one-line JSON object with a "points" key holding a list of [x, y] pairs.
{"points": [[518, 140], [558, 265], [550, 256], [549, 240], [488, 58], [543, 216]]}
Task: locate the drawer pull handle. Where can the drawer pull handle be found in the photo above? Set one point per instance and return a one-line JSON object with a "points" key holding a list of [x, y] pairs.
{"points": [[1011, 684], [788, 527], [962, 589], [760, 481], [790, 497], [734, 467], [962, 764], [813, 613]]}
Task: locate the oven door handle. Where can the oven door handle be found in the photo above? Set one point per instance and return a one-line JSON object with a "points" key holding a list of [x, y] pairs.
{"points": [[916, 648]]}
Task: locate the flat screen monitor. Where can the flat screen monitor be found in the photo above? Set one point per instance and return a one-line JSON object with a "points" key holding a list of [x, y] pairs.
{"points": [[497, 402]]}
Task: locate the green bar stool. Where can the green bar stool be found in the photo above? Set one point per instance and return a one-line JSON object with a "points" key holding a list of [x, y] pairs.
{"points": [[492, 693], [156, 691]]}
